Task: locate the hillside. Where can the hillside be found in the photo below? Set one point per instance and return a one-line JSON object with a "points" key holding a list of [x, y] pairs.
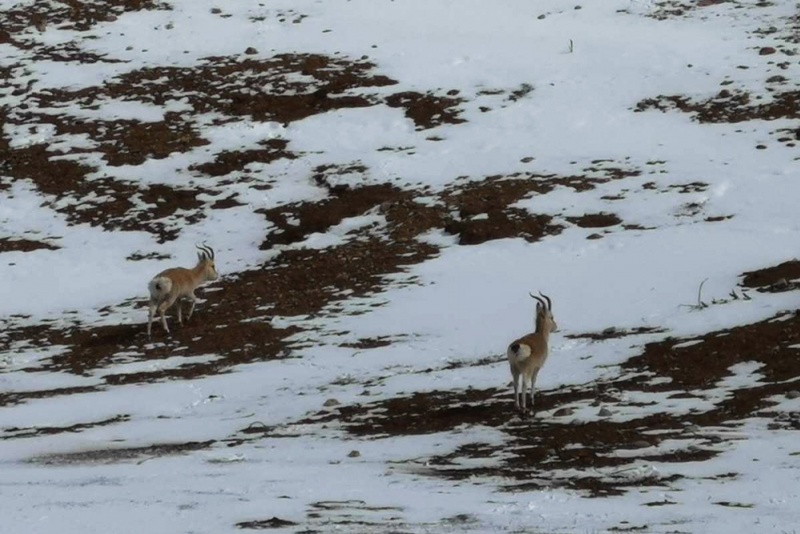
{"points": [[383, 183]]}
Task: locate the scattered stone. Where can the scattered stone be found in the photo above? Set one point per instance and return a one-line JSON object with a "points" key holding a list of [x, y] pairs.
{"points": [[251, 51], [561, 412], [776, 79], [641, 444], [216, 10], [605, 412], [793, 394], [526, 159], [541, 17], [767, 50], [761, 147], [354, 454], [331, 402]]}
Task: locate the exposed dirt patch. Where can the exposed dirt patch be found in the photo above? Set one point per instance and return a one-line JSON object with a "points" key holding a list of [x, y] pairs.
{"points": [[729, 106], [66, 15], [231, 161], [110, 456], [775, 279], [284, 88], [264, 524], [18, 397], [595, 220], [121, 142], [616, 333], [24, 245], [427, 110], [17, 433]]}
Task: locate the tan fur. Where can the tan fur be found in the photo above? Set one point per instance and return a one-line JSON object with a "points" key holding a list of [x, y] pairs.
{"points": [[527, 355], [168, 286]]}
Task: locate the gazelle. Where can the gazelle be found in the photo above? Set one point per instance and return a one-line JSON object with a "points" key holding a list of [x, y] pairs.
{"points": [[167, 287], [527, 354]]}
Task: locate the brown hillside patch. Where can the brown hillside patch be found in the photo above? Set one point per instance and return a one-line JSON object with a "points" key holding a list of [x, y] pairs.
{"points": [[774, 279], [595, 220], [284, 88], [122, 454], [232, 161], [24, 245], [66, 15], [427, 110], [729, 106]]}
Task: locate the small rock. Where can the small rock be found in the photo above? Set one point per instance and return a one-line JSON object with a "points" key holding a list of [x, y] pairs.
{"points": [[250, 51], [693, 448], [578, 7], [793, 394], [169, 26], [216, 10], [354, 454], [641, 444], [774, 426], [331, 402], [761, 147], [767, 50], [526, 159], [605, 412], [541, 17], [561, 412], [776, 79]]}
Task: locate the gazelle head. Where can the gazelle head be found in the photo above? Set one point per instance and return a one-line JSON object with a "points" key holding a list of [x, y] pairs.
{"points": [[205, 262], [544, 313]]}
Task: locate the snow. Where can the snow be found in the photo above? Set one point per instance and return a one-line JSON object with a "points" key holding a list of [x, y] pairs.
{"points": [[465, 303]]}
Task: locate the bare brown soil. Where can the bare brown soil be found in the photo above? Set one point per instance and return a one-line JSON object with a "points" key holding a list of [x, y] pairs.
{"points": [[729, 106], [783, 277], [24, 245]]}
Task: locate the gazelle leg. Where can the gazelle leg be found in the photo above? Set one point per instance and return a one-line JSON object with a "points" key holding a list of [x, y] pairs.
{"points": [[533, 386], [193, 301], [150, 317], [515, 379], [162, 311]]}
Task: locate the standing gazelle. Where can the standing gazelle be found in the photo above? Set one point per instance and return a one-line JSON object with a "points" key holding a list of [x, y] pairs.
{"points": [[527, 354], [169, 286]]}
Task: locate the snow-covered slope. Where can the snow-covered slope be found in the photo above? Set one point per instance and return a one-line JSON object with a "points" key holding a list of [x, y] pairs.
{"points": [[383, 183]]}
